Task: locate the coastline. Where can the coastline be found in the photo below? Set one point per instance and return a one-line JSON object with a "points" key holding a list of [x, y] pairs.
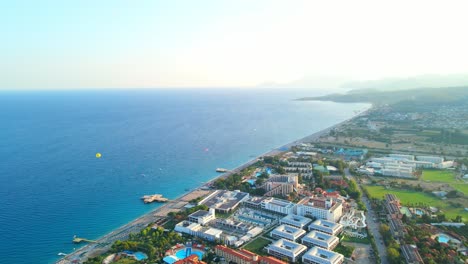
{"points": [[121, 233]]}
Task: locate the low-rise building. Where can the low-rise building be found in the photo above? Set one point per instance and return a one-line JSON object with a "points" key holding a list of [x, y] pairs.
{"points": [[397, 229], [192, 259], [318, 255], [240, 256], [327, 227], [296, 221], [278, 206], [287, 232], [202, 217], [320, 239], [411, 254], [195, 229], [283, 248], [224, 201]]}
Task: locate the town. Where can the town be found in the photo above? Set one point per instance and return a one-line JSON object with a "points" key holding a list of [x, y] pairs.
{"points": [[314, 203]]}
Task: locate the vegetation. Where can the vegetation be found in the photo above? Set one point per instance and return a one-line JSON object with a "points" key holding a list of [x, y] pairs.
{"points": [[438, 176], [257, 245], [408, 197]]}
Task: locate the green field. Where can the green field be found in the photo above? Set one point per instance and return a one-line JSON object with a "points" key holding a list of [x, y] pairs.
{"points": [[438, 176], [462, 187], [257, 245], [414, 197]]}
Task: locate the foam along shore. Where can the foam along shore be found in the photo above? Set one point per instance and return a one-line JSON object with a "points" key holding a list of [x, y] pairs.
{"points": [[104, 243]]}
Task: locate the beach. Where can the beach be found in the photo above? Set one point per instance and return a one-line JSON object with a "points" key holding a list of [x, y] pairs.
{"points": [[106, 241]]}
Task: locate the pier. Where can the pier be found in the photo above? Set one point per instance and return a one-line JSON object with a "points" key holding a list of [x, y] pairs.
{"points": [[78, 240], [154, 198]]}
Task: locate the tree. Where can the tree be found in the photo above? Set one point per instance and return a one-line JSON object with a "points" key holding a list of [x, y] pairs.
{"points": [[393, 255]]}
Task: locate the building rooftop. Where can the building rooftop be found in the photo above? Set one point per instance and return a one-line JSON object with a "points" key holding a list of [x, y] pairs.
{"points": [[297, 219], [411, 254], [242, 253], [200, 213], [223, 199], [325, 256], [317, 235], [286, 229], [293, 247]]}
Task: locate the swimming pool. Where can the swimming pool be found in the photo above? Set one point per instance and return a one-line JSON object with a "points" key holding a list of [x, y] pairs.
{"points": [[442, 238], [140, 256], [182, 253], [418, 211]]}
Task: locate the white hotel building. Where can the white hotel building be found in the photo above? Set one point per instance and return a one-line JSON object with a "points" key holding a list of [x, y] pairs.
{"points": [[286, 249], [320, 239], [318, 255], [321, 208], [278, 206], [296, 221], [287, 232]]}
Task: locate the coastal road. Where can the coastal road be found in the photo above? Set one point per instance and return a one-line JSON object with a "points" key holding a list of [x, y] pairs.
{"points": [[372, 225]]}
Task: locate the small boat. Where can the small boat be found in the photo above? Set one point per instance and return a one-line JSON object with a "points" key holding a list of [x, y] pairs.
{"points": [[61, 254], [221, 170]]}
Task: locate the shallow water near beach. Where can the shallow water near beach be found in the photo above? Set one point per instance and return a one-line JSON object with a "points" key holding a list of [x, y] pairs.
{"points": [[53, 186]]}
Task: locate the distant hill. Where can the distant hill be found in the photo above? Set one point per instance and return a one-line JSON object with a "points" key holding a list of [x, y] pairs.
{"points": [[413, 82], [422, 95]]}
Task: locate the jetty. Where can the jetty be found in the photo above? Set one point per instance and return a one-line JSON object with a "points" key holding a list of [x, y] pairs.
{"points": [[154, 198], [78, 240]]}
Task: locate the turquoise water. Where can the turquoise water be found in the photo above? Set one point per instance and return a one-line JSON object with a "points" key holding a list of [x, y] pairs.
{"points": [[181, 254], [140, 256], [419, 212], [152, 141], [442, 238]]}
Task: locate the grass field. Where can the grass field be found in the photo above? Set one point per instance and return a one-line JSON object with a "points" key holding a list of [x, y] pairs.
{"points": [[462, 187], [257, 245], [406, 196], [438, 176]]}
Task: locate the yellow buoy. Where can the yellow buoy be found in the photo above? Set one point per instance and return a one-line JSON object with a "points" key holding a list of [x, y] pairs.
{"points": [[98, 155]]}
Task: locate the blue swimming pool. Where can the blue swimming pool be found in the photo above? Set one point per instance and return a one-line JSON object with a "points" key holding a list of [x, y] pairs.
{"points": [[182, 253], [443, 238], [419, 211], [140, 256]]}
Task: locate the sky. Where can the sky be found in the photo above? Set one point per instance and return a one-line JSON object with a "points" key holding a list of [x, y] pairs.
{"points": [[239, 43]]}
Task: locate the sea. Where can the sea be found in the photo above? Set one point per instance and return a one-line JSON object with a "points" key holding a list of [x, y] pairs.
{"points": [[165, 141]]}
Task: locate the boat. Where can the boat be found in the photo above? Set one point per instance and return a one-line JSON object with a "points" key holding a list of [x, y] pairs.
{"points": [[221, 170], [61, 254]]}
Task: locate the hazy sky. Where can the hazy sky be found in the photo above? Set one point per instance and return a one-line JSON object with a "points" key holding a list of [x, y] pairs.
{"points": [[75, 44]]}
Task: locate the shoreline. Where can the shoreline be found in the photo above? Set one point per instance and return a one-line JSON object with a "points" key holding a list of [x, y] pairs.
{"points": [[104, 242]]}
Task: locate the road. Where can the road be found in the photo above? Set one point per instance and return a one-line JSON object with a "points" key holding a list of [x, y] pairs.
{"points": [[372, 225]]}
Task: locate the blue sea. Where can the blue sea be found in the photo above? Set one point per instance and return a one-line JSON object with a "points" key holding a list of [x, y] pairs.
{"points": [[152, 141]]}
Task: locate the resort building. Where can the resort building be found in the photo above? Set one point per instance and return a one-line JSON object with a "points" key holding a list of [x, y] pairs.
{"points": [[320, 239], [320, 207], [287, 232], [195, 229], [255, 202], [240, 256], [397, 229], [271, 260], [192, 259], [278, 206], [296, 221], [202, 217], [433, 159], [411, 254], [224, 201], [286, 249], [280, 185], [392, 204], [326, 227], [318, 255]]}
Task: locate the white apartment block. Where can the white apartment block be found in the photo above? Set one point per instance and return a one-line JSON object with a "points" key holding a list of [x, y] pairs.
{"points": [[278, 206], [283, 248], [320, 239], [287, 232], [327, 227], [296, 221], [321, 208], [318, 255]]}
